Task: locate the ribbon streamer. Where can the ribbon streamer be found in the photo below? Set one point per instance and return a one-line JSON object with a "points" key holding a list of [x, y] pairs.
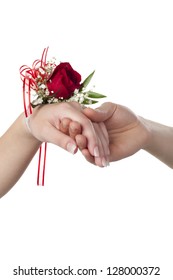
{"points": [[28, 76], [41, 164]]}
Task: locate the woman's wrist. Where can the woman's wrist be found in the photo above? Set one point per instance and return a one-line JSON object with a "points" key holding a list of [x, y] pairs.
{"points": [[25, 129]]}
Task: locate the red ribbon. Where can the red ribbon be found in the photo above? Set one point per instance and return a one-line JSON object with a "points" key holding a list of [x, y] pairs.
{"points": [[28, 76], [41, 164]]}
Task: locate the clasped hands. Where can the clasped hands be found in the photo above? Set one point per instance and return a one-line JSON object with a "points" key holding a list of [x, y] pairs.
{"points": [[108, 133]]}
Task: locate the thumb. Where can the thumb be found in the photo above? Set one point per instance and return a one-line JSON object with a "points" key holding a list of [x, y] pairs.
{"points": [[102, 113]]}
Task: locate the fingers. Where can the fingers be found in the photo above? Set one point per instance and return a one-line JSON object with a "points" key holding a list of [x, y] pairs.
{"points": [[94, 135], [103, 141], [87, 127], [102, 160], [60, 139], [88, 156], [81, 142], [103, 145], [103, 135], [64, 126], [74, 130], [69, 127]]}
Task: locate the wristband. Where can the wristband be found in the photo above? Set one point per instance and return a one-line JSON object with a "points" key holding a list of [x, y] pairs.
{"points": [[27, 123]]}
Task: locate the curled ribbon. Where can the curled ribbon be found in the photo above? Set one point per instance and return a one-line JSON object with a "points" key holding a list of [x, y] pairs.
{"points": [[28, 76]]}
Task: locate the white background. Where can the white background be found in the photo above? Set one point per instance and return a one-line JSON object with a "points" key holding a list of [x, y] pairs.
{"points": [[85, 216]]}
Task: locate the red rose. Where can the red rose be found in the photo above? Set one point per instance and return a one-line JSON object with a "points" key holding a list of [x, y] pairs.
{"points": [[63, 81]]}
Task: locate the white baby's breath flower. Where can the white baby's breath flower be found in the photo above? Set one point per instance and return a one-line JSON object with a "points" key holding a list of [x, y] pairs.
{"points": [[55, 100], [34, 94], [42, 86], [49, 101], [46, 92], [81, 99], [52, 61], [86, 94], [37, 101], [76, 91], [73, 98]]}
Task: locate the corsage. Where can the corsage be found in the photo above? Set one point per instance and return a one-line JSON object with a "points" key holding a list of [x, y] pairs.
{"points": [[46, 83]]}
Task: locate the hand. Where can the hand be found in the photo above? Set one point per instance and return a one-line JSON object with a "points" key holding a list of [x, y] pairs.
{"points": [[45, 123], [127, 132]]}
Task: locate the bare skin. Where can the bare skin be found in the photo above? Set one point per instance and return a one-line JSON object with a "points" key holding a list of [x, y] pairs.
{"points": [[18, 145], [114, 130], [128, 134]]}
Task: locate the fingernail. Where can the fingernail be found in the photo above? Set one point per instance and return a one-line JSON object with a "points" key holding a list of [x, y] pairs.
{"points": [[96, 152], [71, 148], [107, 159], [105, 163]]}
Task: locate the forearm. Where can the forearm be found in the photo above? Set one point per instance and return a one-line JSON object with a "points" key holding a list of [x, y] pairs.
{"points": [[160, 141], [17, 148]]}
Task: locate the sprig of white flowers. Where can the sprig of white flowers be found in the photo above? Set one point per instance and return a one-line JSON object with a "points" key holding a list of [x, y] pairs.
{"points": [[81, 95]]}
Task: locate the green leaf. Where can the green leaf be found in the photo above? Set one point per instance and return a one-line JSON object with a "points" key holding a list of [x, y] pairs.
{"points": [[86, 81], [93, 94], [88, 101]]}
